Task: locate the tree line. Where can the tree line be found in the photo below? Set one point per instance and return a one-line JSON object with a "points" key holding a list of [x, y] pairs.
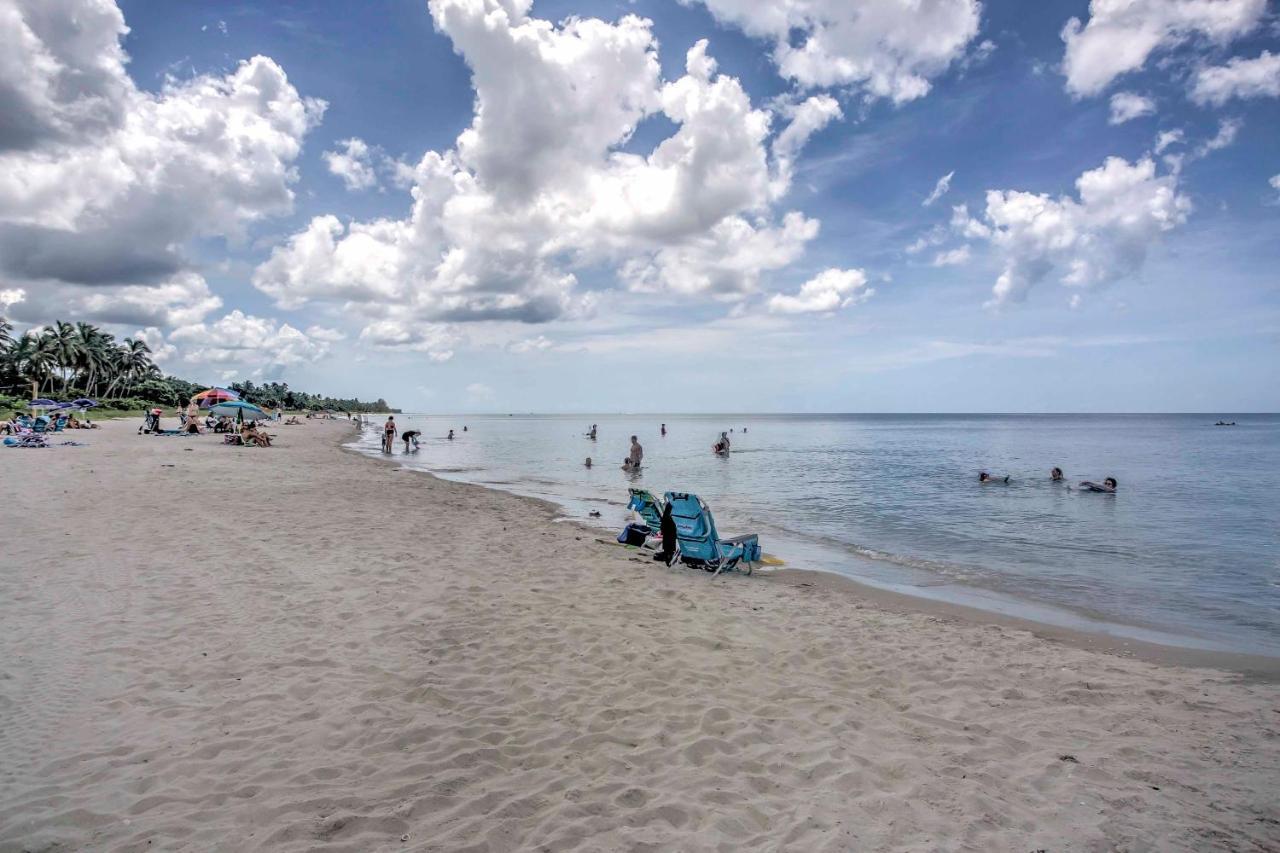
{"points": [[72, 360]]}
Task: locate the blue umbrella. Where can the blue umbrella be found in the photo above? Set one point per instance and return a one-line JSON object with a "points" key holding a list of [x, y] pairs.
{"points": [[240, 409], [43, 403], [84, 403]]}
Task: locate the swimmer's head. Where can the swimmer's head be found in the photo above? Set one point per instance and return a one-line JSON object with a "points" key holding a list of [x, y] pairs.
{"points": [[1110, 482]]}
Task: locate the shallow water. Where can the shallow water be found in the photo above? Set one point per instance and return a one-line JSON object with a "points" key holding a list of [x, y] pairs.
{"points": [[1187, 551]]}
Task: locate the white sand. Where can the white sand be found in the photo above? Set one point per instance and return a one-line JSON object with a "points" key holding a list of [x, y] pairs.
{"points": [[299, 648]]}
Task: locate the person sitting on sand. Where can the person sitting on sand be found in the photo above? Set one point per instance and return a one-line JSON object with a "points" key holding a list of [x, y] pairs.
{"points": [[1108, 486], [250, 432], [1056, 474], [410, 436], [984, 477]]}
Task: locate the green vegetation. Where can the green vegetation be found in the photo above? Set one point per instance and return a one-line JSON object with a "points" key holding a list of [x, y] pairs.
{"points": [[80, 360]]}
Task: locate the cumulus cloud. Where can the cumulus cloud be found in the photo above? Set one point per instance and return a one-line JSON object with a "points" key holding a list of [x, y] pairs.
{"points": [[1121, 35], [1239, 78], [1122, 211], [830, 290], [952, 257], [183, 298], [939, 189], [101, 183], [528, 345], [436, 340], [353, 164], [1126, 106], [541, 184], [247, 341], [1166, 139], [884, 50]]}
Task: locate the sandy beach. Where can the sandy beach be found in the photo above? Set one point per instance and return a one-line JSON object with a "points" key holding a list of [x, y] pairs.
{"points": [[298, 648]]}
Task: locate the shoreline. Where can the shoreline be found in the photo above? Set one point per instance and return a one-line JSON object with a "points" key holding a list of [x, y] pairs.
{"points": [[1255, 666], [292, 649]]}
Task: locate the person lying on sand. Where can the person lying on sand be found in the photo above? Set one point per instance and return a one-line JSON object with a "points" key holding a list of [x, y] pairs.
{"points": [[293, 421], [1108, 486], [984, 477]]}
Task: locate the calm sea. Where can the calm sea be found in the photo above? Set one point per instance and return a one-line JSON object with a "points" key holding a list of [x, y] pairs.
{"points": [[1187, 552]]}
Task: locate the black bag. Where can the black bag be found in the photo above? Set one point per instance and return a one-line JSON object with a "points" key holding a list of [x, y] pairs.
{"points": [[634, 534]]}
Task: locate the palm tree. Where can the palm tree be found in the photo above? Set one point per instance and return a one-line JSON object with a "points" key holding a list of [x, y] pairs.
{"points": [[65, 345], [6, 339], [135, 362], [33, 360]]}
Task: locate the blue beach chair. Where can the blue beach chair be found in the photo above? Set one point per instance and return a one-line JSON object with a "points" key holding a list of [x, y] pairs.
{"points": [[701, 545], [647, 507]]}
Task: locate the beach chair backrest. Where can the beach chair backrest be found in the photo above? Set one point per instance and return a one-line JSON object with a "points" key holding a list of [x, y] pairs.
{"points": [[695, 528], [648, 507]]}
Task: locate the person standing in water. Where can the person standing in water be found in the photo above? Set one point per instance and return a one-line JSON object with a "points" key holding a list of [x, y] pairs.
{"points": [[389, 433], [664, 429], [636, 456], [409, 437], [450, 435], [721, 446]]}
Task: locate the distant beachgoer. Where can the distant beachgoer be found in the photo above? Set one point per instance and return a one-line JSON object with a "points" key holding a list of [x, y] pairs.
{"points": [[389, 433], [1055, 474], [591, 433], [664, 429], [721, 446], [410, 436], [588, 462], [1108, 486], [450, 436], [464, 427], [984, 477]]}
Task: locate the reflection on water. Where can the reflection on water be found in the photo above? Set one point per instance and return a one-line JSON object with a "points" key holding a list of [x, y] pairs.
{"points": [[1189, 544]]}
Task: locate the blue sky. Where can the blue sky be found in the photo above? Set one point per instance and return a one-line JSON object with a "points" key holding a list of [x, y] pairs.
{"points": [[546, 292]]}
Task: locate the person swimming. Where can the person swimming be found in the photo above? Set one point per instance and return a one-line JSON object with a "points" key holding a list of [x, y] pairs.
{"points": [[1056, 474], [588, 462], [984, 477], [1108, 486]]}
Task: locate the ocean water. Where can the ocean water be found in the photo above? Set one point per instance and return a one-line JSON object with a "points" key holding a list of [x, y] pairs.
{"points": [[1187, 552]]}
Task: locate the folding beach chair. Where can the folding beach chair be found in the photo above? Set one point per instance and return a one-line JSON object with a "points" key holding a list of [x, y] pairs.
{"points": [[647, 507], [700, 544]]}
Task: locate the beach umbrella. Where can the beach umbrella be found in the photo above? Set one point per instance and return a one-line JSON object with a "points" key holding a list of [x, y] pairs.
{"points": [[211, 397], [241, 410], [84, 403], [43, 403]]}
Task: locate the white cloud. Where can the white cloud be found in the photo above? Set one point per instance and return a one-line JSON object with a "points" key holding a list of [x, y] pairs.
{"points": [[965, 225], [539, 186], [162, 352], [952, 257], [939, 189], [10, 297], [1274, 182], [1121, 35], [1126, 106], [181, 299], [528, 345], [102, 183], [247, 341], [321, 333], [1122, 211], [1228, 129], [436, 340], [1239, 78], [1166, 139], [828, 291], [353, 164], [882, 49]]}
